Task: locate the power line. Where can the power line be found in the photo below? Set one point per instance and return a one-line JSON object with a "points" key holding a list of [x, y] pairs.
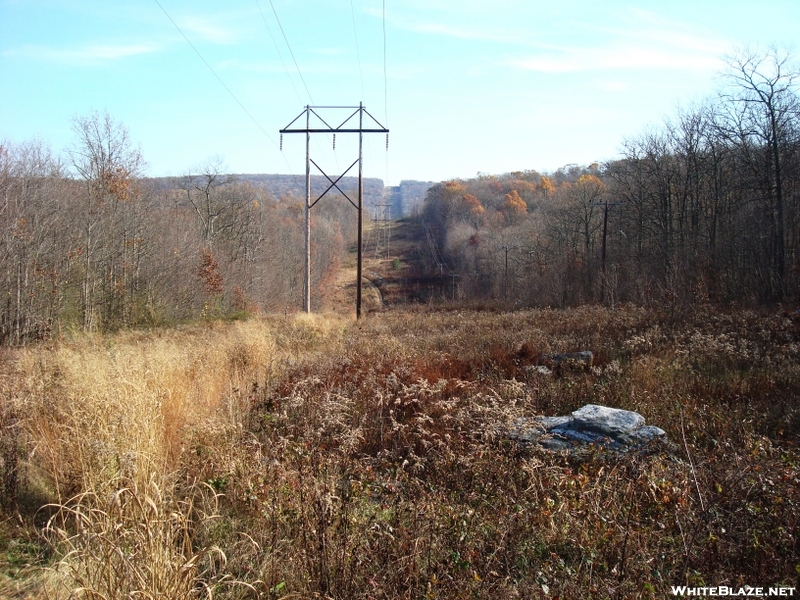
{"points": [[285, 39], [252, 118], [385, 83], [358, 52], [297, 66], [285, 68], [278, 50]]}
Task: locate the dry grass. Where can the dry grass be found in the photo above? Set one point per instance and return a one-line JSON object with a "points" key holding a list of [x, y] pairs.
{"points": [[132, 539], [368, 460], [91, 415]]}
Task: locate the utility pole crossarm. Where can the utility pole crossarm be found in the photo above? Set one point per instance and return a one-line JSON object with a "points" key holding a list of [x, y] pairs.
{"points": [[333, 130], [377, 127]]}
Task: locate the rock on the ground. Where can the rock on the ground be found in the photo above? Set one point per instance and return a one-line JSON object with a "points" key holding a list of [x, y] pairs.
{"points": [[605, 420], [591, 424], [583, 358]]}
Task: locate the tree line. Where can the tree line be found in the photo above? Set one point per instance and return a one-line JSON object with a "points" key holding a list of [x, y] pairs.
{"points": [[703, 208], [88, 243]]}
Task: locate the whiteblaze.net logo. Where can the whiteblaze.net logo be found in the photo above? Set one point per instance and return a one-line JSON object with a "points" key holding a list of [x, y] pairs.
{"points": [[722, 590]]}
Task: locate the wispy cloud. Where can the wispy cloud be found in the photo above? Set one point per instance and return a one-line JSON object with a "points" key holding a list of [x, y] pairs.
{"points": [[438, 27], [617, 57], [655, 28], [463, 33], [209, 28], [625, 39], [90, 54], [640, 40]]}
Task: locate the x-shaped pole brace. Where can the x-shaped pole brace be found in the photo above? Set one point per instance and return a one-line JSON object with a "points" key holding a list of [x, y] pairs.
{"points": [[334, 184]]}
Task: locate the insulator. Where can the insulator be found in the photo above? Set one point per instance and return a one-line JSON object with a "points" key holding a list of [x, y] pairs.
{"points": [[387, 141], [281, 142], [334, 141]]}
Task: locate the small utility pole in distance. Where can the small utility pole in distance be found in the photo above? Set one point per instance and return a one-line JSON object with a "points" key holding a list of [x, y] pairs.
{"points": [[381, 221], [455, 276], [507, 249], [606, 205], [320, 125]]}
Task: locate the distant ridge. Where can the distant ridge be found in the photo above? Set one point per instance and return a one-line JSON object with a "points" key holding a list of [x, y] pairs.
{"points": [[404, 199]]}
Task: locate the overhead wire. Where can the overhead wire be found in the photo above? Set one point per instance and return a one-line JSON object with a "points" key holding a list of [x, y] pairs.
{"points": [[385, 90], [297, 67], [278, 50], [285, 39], [299, 72], [358, 51], [360, 71], [205, 62], [242, 106], [358, 56], [385, 78], [294, 59], [283, 63]]}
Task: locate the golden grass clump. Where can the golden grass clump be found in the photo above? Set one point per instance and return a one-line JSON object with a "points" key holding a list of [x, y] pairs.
{"points": [[97, 408], [131, 541], [96, 421]]}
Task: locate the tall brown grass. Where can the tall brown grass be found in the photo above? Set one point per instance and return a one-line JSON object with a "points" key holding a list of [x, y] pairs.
{"points": [[132, 539], [95, 415], [319, 457]]}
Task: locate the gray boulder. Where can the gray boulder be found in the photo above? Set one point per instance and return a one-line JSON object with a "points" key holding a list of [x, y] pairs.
{"points": [[591, 424], [606, 421], [583, 358]]}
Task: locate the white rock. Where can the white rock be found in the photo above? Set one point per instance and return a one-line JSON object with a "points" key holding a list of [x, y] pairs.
{"points": [[605, 420]]}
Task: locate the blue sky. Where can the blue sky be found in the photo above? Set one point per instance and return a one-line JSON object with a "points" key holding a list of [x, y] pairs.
{"points": [[469, 86]]}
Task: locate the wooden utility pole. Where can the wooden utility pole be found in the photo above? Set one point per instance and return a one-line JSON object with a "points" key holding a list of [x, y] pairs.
{"points": [[320, 125], [507, 249], [307, 276], [360, 207], [606, 205]]}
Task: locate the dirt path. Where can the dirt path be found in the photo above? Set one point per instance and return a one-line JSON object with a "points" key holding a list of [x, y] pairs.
{"points": [[396, 277], [388, 277], [342, 298]]}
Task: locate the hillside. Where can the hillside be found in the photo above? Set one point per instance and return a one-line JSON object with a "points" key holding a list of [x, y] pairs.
{"points": [[403, 199]]}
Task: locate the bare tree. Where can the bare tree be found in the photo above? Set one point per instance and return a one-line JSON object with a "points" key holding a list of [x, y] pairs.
{"points": [[31, 240], [760, 114], [206, 193], [109, 164]]}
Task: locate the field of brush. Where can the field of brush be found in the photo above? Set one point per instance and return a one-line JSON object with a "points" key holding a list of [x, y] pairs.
{"points": [[320, 457]]}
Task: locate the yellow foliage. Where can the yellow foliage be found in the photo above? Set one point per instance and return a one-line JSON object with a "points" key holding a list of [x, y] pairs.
{"points": [[591, 180], [454, 187], [546, 186], [471, 202], [514, 207]]}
